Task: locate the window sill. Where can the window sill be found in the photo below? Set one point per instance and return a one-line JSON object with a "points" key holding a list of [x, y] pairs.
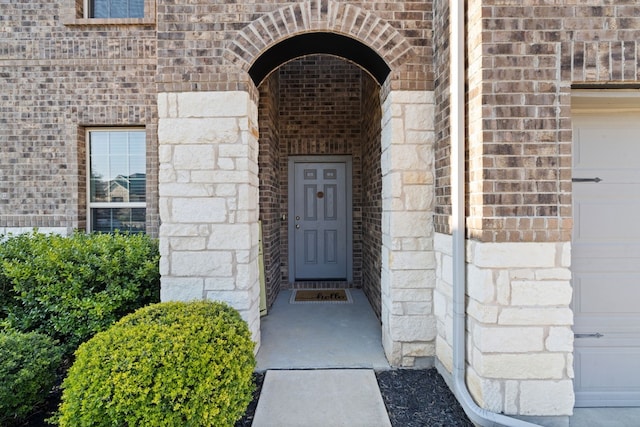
{"points": [[109, 21]]}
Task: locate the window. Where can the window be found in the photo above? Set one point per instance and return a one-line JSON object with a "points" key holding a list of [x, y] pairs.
{"points": [[117, 180], [116, 9]]}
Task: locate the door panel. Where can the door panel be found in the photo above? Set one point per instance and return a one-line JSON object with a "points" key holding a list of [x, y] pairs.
{"points": [[320, 221], [606, 260]]}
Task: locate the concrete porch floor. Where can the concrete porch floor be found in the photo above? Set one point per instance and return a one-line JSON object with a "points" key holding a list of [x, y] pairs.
{"points": [[326, 336], [321, 336]]}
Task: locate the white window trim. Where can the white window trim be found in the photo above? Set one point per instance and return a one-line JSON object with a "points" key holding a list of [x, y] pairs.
{"points": [[113, 205]]}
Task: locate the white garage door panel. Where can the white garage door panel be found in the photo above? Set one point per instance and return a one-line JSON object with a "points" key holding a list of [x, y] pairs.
{"points": [[606, 260], [591, 298], [601, 146], [590, 224], [600, 378]]}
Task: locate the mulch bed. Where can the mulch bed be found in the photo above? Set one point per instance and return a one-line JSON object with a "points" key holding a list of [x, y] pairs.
{"points": [[413, 397], [419, 398]]}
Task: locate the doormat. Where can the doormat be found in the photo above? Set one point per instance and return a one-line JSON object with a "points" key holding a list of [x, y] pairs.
{"points": [[320, 296]]}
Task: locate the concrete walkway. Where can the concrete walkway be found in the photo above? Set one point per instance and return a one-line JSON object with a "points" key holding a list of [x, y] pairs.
{"points": [[301, 344], [321, 398]]}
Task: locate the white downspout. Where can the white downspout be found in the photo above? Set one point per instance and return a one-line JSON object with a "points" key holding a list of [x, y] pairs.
{"points": [[475, 413]]}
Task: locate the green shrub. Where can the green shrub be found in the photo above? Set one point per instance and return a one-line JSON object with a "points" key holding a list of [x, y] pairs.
{"points": [[28, 364], [72, 287], [168, 364]]}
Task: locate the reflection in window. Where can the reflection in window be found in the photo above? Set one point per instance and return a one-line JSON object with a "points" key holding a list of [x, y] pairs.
{"points": [[116, 8], [117, 180]]}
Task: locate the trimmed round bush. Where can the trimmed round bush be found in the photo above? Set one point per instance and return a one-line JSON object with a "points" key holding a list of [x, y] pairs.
{"points": [[168, 364], [28, 365]]}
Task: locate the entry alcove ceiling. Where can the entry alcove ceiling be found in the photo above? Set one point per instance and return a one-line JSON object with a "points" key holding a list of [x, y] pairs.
{"points": [[319, 43]]}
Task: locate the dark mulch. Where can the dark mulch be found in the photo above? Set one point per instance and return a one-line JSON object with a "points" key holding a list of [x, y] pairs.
{"points": [[247, 419], [419, 398], [414, 398]]}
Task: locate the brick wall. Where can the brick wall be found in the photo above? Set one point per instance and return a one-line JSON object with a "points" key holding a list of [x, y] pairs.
{"points": [[270, 196], [372, 193], [442, 147], [55, 81], [320, 114], [524, 58], [205, 45]]}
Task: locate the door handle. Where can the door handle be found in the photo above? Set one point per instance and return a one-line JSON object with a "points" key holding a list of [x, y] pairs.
{"points": [[297, 226], [596, 335], [596, 179]]}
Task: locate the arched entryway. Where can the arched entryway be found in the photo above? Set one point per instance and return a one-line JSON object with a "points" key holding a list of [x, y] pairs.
{"points": [[209, 175], [323, 110]]}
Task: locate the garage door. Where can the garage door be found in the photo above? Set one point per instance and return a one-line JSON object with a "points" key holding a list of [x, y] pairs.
{"points": [[606, 258]]}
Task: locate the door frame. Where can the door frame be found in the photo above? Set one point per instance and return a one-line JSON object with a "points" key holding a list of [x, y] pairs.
{"points": [[347, 160]]}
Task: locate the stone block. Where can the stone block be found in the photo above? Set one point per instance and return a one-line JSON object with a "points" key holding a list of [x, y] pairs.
{"points": [[412, 328], [418, 349], [520, 366], [444, 353], [181, 289], [213, 104], [513, 255], [230, 236], [418, 197], [560, 339], [482, 312], [183, 190], [411, 279], [220, 283], [417, 260], [199, 210], [546, 398], [419, 117], [201, 264], [403, 295], [540, 293], [194, 157], [187, 243], [240, 300], [186, 230], [536, 316], [508, 339], [197, 131], [480, 284]]}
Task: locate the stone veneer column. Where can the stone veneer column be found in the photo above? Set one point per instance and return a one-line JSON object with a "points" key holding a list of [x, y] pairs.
{"points": [[208, 187], [408, 262], [520, 342]]}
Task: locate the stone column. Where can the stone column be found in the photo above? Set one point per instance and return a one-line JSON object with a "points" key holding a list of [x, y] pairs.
{"points": [[208, 187], [408, 260]]}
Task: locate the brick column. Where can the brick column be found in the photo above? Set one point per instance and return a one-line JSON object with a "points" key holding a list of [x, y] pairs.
{"points": [[408, 262], [208, 188]]}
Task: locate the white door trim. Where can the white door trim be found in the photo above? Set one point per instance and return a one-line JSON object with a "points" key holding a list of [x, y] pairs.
{"points": [[347, 160]]}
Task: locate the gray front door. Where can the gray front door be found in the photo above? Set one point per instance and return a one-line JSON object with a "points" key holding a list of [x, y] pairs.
{"points": [[320, 221]]}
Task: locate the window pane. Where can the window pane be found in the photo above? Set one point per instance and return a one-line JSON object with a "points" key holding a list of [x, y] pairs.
{"points": [[99, 177], [116, 9], [108, 220], [117, 175]]}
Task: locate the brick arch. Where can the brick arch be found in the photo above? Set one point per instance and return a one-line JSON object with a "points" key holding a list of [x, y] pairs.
{"points": [[318, 16]]}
